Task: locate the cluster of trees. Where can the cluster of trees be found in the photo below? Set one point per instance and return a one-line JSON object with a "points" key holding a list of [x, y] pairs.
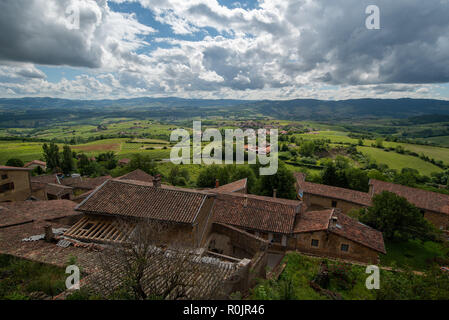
{"points": [[57, 161], [283, 181], [398, 219]]}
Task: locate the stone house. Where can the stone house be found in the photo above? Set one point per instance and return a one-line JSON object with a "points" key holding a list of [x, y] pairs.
{"points": [[287, 225], [319, 196], [15, 184], [186, 213]]}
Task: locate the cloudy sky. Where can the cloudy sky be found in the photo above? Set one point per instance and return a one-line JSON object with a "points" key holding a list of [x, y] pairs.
{"points": [[266, 49]]}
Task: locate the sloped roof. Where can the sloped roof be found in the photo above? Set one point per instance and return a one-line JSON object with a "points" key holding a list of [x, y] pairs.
{"points": [[13, 213], [349, 195], [358, 232], [233, 186], [260, 213], [38, 162], [85, 183], [423, 199], [137, 175], [345, 227], [48, 178], [134, 199], [57, 189], [313, 221]]}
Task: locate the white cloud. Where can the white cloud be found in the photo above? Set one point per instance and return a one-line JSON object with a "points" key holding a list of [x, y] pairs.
{"points": [[280, 49]]}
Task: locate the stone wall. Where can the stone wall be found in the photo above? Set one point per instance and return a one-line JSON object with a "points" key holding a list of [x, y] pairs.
{"points": [[330, 245], [439, 220], [22, 185], [314, 202]]}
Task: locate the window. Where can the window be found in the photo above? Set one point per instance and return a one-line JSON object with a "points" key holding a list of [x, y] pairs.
{"points": [[315, 243], [334, 204], [4, 176], [7, 187], [345, 247], [277, 238]]}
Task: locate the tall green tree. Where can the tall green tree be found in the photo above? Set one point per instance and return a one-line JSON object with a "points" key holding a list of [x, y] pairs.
{"points": [[283, 181], [51, 156], [67, 164]]}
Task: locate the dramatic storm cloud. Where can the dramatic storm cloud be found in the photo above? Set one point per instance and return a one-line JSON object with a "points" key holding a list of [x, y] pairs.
{"points": [[215, 49]]}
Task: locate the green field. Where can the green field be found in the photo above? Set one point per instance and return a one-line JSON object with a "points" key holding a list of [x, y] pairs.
{"points": [[28, 151], [437, 153], [399, 161]]}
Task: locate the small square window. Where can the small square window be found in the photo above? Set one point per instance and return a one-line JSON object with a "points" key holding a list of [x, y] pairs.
{"points": [[334, 204], [345, 247], [315, 243], [4, 176]]}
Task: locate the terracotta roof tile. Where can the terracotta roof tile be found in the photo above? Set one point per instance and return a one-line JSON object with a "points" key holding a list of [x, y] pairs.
{"points": [[126, 198], [57, 189], [313, 221], [137, 175], [85, 183], [423, 199], [260, 213], [233, 186], [48, 178], [22, 211], [358, 232], [38, 162], [349, 195], [345, 227]]}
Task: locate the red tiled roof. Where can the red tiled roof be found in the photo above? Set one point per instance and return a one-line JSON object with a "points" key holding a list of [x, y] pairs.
{"points": [[358, 232], [57, 189], [38, 162], [85, 183], [137, 175], [313, 221], [48, 178], [345, 227], [260, 213], [134, 199], [12, 213], [349, 195], [233, 186], [422, 199]]}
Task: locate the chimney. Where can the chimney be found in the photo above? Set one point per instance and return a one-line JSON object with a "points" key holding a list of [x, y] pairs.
{"points": [[245, 202], [217, 183], [275, 192], [333, 222], [49, 236], [157, 181]]}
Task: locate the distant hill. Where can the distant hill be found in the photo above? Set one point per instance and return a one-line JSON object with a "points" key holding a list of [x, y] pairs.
{"points": [[16, 110]]}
